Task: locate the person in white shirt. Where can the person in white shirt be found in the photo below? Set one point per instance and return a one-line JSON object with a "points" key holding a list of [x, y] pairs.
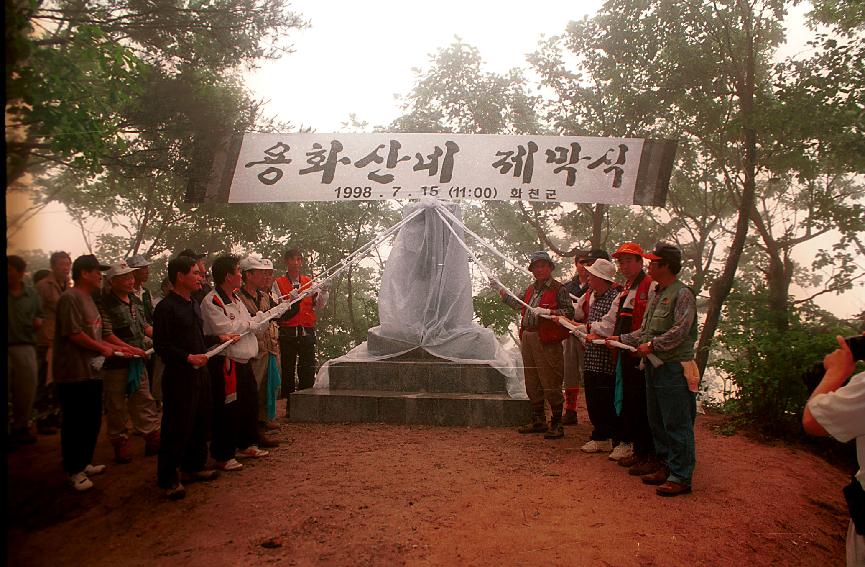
{"points": [[839, 410], [235, 395]]}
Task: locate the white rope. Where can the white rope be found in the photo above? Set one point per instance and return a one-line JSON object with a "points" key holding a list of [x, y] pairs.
{"points": [[483, 242], [316, 284], [480, 264]]}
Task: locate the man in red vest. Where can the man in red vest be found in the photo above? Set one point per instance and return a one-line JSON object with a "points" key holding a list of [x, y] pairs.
{"points": [[636, 449], [541, 344], [297, 334]]}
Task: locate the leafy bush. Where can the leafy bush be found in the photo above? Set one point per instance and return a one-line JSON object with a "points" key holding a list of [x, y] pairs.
{"points": [[766, 363]]}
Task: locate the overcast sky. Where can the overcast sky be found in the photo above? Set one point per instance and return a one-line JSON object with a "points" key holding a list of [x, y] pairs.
{"points": [[357, 57]]}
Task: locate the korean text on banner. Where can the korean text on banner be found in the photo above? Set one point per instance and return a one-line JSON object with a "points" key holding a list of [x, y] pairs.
{"points": [[265, 168]]}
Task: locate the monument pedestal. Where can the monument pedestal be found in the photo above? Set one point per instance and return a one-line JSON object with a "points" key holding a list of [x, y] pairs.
{"points": [[414, 388]]}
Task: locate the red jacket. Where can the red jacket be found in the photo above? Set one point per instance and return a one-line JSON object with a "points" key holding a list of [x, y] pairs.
{"points": [[306, 316], [548, 331]]}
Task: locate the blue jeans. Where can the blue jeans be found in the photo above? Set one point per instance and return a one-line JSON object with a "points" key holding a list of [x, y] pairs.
{"points": [[671, 409]]}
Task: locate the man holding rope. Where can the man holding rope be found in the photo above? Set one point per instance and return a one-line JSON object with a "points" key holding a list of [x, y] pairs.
{"points": [[669, 331], [541, 344], [297, 334], [179, 339]]}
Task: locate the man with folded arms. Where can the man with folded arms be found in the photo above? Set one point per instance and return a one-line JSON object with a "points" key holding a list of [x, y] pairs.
{"points": [[669, 331]]}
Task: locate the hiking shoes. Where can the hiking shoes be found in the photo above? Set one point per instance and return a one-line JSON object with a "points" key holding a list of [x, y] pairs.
{"points": [[176, 492], [80, 482], [671, 488], [556, 431], [534, 427], [644, 467], [252, 452], [91, 469], [621, 451], [229, 465], [595, 446], [657, 478], [199, 476]]}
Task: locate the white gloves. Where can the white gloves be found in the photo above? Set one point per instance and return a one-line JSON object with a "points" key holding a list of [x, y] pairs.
{"points": [[259, 320], [538, 311]]}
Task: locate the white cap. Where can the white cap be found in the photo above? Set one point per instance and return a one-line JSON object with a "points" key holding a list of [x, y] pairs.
{"points": [[255, 262], [603, 269], [121, 268]]}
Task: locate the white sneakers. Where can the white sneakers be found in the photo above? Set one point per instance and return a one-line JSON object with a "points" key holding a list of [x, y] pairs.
{"points": [[229, 465], [252, 452], [622, 451], [598, 446], [80, 481], [91, 470]]}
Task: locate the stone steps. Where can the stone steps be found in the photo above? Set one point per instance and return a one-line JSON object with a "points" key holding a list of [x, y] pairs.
{"points": [[415, 388], [427, 408]]}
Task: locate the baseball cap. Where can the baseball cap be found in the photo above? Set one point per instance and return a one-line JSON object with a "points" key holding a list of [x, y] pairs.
{"points": [[119, 269], [253, 262], [603, 269], [628, 248], [540, 255], [190, 253], [87, 262], [664, 251], [138, 261]]}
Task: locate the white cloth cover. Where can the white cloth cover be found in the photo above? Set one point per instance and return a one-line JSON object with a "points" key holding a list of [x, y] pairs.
{"points": [[425, 301]]}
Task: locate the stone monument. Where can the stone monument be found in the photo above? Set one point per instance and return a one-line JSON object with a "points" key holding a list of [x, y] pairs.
{"points": [[427, 362]]}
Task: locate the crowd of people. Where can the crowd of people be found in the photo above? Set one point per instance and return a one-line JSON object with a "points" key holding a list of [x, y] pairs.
{"points": [[628, 341], [621, 330], [88, 341]]}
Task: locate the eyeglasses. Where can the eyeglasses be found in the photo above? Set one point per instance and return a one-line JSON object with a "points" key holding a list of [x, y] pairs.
{"points": [[656, 262]]}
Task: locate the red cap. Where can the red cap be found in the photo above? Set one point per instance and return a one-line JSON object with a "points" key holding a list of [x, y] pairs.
{"points": [[628, 248]]}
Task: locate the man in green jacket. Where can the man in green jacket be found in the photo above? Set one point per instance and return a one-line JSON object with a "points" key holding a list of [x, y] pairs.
{"points": [[669, 331]]}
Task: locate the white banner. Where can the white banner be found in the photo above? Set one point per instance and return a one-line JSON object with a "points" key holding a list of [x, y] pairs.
{"points": [[332, 167]]}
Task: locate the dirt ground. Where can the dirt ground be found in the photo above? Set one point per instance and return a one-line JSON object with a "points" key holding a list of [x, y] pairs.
{"points": [[373, 494]]}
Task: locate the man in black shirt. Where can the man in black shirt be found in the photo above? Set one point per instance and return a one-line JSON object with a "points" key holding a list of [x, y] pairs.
{"points": [[180, 341]]}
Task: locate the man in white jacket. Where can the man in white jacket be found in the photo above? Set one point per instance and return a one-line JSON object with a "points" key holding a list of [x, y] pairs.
{"points": [[235, 396]]}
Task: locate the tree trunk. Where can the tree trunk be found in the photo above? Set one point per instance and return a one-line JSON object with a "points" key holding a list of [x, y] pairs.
{"points": [[721, 287]]}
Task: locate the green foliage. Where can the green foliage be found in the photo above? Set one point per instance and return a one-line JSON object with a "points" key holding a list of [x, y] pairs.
{"points": [[765, 364], [102, 82]]}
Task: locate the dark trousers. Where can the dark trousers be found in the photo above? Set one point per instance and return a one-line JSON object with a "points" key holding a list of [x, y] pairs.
{"points": [[81, 403], [235, 424], [634, 419], [45, 406], [297, 356], [600, 394], [185, 427]]}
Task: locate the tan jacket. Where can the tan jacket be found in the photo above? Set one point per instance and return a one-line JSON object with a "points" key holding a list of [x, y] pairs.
{"points": [[268, 338]]}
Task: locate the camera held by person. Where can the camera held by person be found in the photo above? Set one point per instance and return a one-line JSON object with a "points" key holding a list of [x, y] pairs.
{"points": [[813, 375]]}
